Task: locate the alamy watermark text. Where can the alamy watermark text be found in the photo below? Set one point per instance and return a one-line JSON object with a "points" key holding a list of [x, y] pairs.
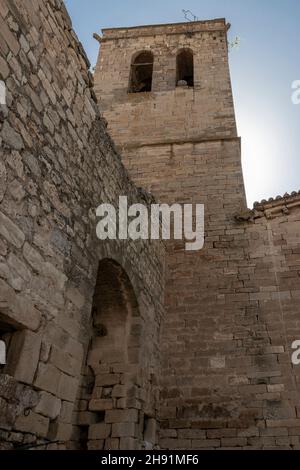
{"points": [[136, 222]]}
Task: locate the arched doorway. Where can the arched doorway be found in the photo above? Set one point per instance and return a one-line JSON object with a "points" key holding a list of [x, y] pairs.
{"points": [[112, 392]]}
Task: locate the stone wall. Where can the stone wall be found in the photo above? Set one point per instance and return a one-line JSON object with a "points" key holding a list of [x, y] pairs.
{"points": [[57, 164], [232, 312]]}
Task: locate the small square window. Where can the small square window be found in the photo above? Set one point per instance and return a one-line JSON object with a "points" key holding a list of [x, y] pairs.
{"points": [[6, 333]]}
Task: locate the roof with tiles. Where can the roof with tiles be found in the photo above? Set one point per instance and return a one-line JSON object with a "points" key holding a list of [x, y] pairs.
{"points": [[281, 205], [278, 201]]}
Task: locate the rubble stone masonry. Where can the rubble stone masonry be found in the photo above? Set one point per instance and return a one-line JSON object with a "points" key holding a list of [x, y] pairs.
{"points": [[80, 318], [232, 309]]}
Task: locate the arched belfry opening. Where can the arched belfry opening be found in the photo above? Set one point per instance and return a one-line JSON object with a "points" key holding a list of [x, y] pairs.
{"points": [[112, 391], [185, 68], [141, 73]]}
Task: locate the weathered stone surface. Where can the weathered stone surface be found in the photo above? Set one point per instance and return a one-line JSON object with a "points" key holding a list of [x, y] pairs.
{"points": [[66, 412], [24, 356], [14, 400], [17, 191], [127, 443], [11, 137], [60, 432], [100, 405], [47, 378], [121, 416], [3, 248], [99, 431], [19, 267], [43, 267], [107, 380], [151, 431], [8, 36], [3, 177], [33, 424], [67, 387], [65, 362], [8, 387], [18, 310], [123, 430], [48, 405], [119, 391], [96, 445], [10, 231], [8, 414]]}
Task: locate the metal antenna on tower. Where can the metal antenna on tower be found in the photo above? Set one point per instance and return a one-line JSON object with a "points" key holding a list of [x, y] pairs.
{"points": [[189, 15]]}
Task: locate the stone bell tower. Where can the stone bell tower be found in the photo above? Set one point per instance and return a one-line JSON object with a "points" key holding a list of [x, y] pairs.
{"points": [[165, 91]]}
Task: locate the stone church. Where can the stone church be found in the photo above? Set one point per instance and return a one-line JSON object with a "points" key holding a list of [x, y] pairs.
{"points": [[123, 344]]}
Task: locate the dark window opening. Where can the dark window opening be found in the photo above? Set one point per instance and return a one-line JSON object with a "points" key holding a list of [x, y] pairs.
{"points": [[185, 68], [83, 437], [6, 332], [141, 73]]}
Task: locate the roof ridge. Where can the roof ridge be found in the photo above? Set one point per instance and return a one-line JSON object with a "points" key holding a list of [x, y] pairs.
{"points": [[276, 200]]}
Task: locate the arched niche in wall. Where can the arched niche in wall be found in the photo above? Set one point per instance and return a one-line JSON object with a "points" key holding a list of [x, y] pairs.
{"points": [[112, 394]]}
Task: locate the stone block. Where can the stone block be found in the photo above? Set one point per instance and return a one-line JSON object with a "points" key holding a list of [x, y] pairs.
{"points": [[48, 405], [67, 387], [23, 356], [60, 432], [65, 362], [233, 442], [11, 232], [9, 37], [201, 444], [119, 391], [96, 445], [18, 310], [150, 431], [128, 443], [33, 424], [112, 444], [107, 380], [43, 267], [124, 430], [121, 416], [283, 423], [99, 431], [13, 140], [66, 412], [48, 378], [86, 418], [101, 404]]}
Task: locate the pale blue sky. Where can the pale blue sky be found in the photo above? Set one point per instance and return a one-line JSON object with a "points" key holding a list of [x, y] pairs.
{"points": [[262, 70]]}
